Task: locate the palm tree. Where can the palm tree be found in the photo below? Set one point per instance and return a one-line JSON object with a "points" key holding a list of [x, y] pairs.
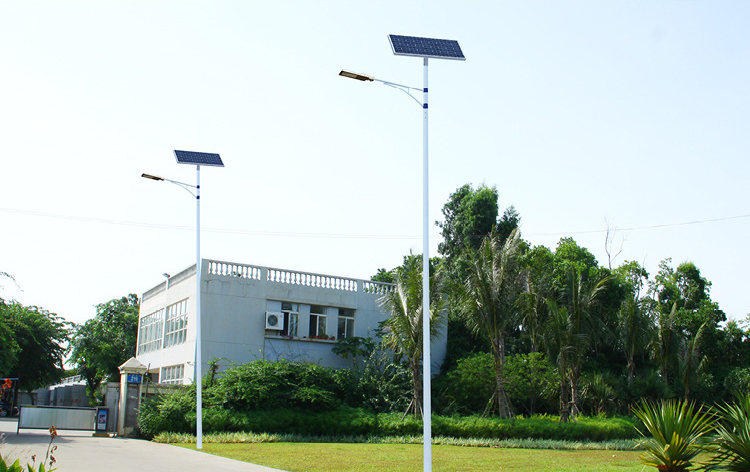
{"points": [[580, 300], [559, 342], [633, 329], [491, 304], [677, 433], [633, 324], [690, 362], [403, 329], [663, 346]]}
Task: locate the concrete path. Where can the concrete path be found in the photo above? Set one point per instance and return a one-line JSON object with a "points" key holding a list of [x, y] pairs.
{"points": [[79, 451]]}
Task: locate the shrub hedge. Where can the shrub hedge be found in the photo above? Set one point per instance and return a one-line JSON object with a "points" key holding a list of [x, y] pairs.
{"points": [[176, 415], [306, 399]]}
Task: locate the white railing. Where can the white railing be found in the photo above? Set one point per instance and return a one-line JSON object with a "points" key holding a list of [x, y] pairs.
{"points": [[378, 288], [294, 277], [234, 270]]}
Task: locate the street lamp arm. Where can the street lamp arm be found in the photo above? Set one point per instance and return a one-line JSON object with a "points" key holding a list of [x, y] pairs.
{"points": [[368, 78], [405, 89], [179, 184]]}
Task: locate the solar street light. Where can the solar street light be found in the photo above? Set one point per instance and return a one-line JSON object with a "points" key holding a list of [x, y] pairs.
{"points": [[198, 159], [436, 49]]}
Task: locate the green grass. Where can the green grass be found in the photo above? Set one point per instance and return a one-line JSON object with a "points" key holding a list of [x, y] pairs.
{"points": [[343, 457]]}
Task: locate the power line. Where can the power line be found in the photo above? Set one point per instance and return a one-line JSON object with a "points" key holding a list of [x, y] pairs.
{"points": [[336, 235], [636, 228]]}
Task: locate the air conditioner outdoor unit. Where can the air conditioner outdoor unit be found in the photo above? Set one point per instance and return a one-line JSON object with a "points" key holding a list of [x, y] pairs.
{"points": [[274, 320]]}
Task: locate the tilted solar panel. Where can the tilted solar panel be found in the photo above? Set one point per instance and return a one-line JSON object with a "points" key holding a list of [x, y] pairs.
{"points": [[198, 158], [426, 47]]}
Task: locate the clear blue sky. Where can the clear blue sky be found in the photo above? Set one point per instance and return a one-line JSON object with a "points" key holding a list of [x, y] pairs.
{"points": [[580, 112]]}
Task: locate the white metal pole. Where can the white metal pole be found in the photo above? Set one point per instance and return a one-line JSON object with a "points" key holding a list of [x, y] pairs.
{"points": [[426, 359], [198, 353]]}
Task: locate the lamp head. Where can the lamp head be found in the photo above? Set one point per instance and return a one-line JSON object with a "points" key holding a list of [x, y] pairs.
{"points": [[354, 75], [152, 177]]}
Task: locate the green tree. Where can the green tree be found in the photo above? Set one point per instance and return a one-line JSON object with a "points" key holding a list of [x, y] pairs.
{"points": [[469, 215], [403, 329], [106, 341], [559, 341], [665, 340], [528, 378], [690, 361], [491, 304], [580, 298], [633, 326], [537, 265], [40, 337], [10, 347]]}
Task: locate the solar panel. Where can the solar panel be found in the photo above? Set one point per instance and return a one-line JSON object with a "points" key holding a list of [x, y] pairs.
{"points": [[198, 158], [426, 47]]}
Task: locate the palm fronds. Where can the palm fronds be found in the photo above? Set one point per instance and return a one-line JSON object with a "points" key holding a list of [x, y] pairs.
{"points": [[733, 442], [675, 433]]}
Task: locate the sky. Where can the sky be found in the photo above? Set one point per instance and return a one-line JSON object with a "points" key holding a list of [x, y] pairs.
{"points": [[586, 115]]}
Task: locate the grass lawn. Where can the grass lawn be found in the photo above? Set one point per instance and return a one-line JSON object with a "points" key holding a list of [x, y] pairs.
{"points": [[317, 457]]}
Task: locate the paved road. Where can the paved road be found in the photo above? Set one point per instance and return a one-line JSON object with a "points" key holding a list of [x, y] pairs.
{"points": [[79, 451]]}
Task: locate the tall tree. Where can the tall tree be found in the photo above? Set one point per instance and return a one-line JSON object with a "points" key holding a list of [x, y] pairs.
{"points": [[580, 298], [537, 267], [469, 216], [106, 341], [688, 292], [10, 348], [633, 326], [690, 361], [665, 340], [559, 341], [40, 337], [403, 329], [491, 304]]}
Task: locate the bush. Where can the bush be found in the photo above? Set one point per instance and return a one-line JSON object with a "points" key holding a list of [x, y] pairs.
{"points": [[381, 385], [530, 383], [263, 384], [170, 412], [738, 380], [469, 386]]}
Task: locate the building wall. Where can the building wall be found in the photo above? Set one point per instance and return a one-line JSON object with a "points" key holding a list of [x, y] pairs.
{"points": [[234, 301]]}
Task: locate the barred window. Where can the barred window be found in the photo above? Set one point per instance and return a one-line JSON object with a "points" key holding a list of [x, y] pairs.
{"points": [[150, 332], [172, 374], [175, 326]]}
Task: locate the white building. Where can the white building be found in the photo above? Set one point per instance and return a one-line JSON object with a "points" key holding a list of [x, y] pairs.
{"points": [[250, 312]]}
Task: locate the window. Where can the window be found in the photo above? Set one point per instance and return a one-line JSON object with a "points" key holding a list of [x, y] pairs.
{"points": [[175, 326], [172, 374], [291, 320], [150, 332], [317, 321], [346, 323]]}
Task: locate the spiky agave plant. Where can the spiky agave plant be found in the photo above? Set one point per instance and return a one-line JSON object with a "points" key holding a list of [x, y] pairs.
{"points": [[675, 433], [733, 437]]}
